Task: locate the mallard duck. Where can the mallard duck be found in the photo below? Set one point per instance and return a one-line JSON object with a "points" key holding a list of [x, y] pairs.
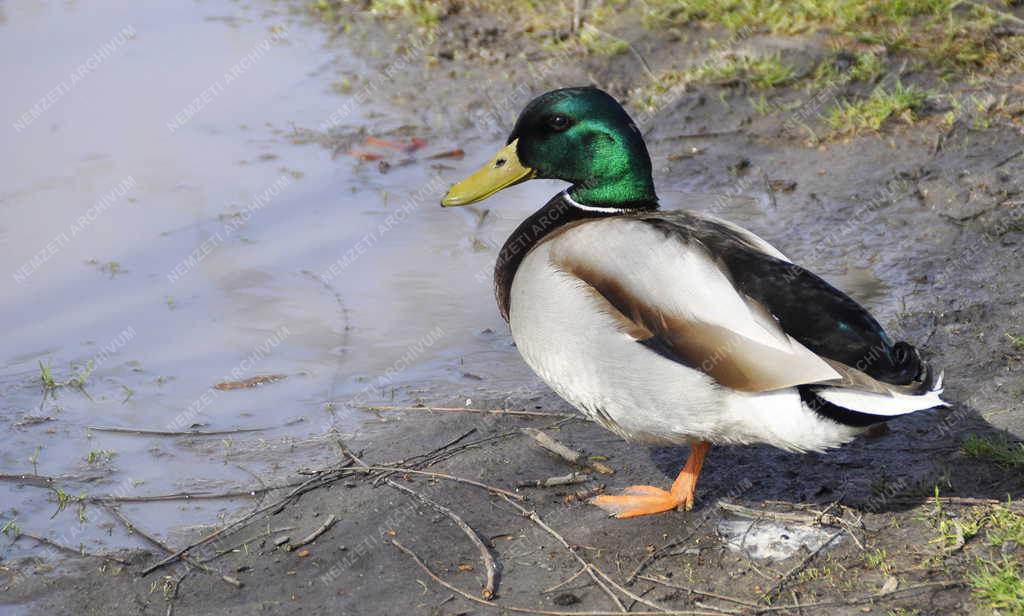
{"points": [[669, 327]]}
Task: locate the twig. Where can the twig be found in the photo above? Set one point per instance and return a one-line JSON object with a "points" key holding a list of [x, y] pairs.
{"points": [[267, 533], [521, 610], [568, 580], [457, 409], [67, 548], [423, 461], [698, 592], [569, 455], [551, 482], [401, 470], [490, 587], [859, 600], [596, 574], [782, 516], [532, 515], [147, 432], [311, 537], [320, 480], [188, 495], [490, 566], [803, 563], [632, 49], [311, 484], [29, 478], [423, 458], [1013, 503], [657, 553], [1007, 159], [132, 528]]}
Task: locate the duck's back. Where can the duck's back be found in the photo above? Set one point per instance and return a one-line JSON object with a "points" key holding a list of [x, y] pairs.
{"points": [[626, 316]]}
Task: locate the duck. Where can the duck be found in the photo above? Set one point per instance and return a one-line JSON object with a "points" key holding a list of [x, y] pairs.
{"points": [[671, 327]]}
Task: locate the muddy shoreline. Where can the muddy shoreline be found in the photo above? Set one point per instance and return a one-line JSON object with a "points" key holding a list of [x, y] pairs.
{"points": [[923, 223]]}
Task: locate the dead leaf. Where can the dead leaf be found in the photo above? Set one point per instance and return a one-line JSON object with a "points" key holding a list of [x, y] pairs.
{"points": [[364, 155], [385, 143], [456, 153]]}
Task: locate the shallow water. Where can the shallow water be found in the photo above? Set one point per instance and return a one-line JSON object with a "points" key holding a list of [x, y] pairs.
{"points": [[168, 227], [162, 228]]}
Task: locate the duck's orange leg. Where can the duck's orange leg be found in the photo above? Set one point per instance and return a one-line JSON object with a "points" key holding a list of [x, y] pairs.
{"points": [[645, 500]]}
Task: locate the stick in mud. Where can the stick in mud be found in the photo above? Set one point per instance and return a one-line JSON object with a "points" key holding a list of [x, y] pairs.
{"points": [[132, 528], [551, 482], [323, 528], [148, 432], [569, 455], [456, 409], [485, 552]]}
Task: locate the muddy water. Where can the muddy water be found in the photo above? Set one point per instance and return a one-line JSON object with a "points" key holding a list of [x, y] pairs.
{"points": [[163, 232]]}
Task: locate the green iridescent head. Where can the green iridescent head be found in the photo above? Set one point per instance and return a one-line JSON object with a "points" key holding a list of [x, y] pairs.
{"points": [[580, 135]]}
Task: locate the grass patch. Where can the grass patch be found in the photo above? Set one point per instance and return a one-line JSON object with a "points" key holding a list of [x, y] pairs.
{"points": [[1000, 585], [946, 34], [759, 71], [995, 449], [599, 43], [999, 524], [873, 112], [793, 17], [862, 66], [76, 380], [878, 559], [100, 456], [11, 529]]}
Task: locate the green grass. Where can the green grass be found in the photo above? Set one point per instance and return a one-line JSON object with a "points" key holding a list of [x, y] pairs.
{"points": [[873, 112], [999, 585], [77, 380], [793, 17], [11, 529], [1004, 525], [865, 66], [995, 449], [46, 376], [878, 559], [759, 71], [100, 455], [601, 43], [1016, 340], [64, 499], [946, 34]]}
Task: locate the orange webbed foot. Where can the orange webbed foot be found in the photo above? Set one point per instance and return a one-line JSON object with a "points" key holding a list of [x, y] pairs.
{"points": [[641, 500], [647, 500]]}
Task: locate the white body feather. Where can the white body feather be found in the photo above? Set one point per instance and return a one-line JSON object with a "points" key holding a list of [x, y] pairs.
{"points": [[567, 337]]}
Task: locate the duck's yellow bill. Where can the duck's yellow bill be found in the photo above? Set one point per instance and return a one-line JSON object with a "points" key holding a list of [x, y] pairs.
{"points": [[502, 171]]}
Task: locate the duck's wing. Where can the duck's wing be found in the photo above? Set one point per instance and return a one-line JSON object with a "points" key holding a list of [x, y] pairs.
{"points": [[674, 283]]}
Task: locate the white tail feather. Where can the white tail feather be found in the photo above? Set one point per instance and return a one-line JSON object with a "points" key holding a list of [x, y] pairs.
{"points": [[884, 404]]}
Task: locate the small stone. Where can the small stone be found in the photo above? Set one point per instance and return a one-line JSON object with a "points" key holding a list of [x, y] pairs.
{"points": [[302, 553], [565, 599], [891, 584]]}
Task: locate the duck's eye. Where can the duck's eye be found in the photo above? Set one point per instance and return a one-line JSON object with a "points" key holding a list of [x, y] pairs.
{"points": [[558, 122]]}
